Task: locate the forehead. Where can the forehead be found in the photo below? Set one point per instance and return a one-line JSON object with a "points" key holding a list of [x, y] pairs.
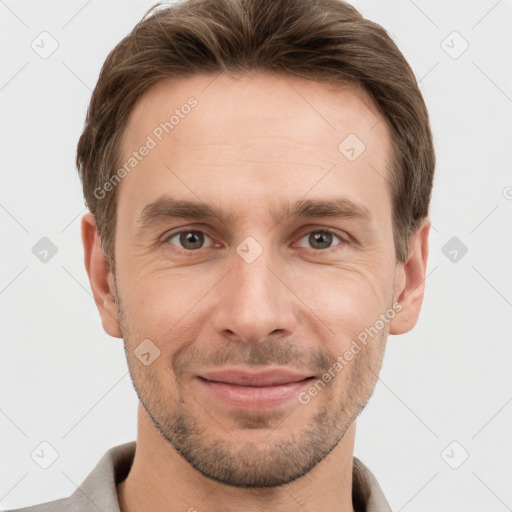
{"points": [[273, 103], [209, 134]]}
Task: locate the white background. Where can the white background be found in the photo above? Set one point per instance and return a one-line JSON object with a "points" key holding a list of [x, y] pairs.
{"points": [[64, 381]]}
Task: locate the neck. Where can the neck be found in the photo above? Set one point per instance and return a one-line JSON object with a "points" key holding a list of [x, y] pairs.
{"points": [[161, 480]]}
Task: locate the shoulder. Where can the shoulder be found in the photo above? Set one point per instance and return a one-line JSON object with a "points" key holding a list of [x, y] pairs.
{"points": [[98, 490]]}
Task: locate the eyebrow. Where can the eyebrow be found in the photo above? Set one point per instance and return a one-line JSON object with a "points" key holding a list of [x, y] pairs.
{"points": [[168, 208]]}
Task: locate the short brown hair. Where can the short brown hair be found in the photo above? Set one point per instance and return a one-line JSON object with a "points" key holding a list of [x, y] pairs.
{"points": [[323, 40]]}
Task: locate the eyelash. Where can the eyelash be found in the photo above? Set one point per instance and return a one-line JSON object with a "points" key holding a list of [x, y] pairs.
{"points": [[342, 240]]}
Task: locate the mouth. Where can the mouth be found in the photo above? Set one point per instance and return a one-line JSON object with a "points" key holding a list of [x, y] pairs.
{"points": [[253, 390]]}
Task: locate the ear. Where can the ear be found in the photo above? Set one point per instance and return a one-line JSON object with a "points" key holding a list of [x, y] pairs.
{"points": [[100, 276], [410, 281]]}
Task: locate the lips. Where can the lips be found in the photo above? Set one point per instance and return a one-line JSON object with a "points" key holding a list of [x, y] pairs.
{"points": [[255, 391]]}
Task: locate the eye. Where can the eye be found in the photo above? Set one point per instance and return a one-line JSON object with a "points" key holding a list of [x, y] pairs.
{"points": [[193, 240], [189, 240], [321, 239]]}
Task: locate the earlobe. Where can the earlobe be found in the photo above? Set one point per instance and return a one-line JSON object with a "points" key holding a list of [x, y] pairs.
{"points": [[411, 281], [100, 276]]}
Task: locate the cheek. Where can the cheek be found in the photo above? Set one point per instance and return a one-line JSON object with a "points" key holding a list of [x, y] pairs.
{"points": [[160, 305], [347, 299]]}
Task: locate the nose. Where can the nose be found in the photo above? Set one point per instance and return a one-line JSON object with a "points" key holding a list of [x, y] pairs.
{"points": [[256, 301]]}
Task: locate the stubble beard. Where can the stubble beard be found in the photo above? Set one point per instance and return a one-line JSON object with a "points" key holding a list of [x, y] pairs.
{"points": [[279, 458]]}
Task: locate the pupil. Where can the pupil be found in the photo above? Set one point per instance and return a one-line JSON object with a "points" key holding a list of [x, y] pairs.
{"points": [[321, 240], [191, 240]]}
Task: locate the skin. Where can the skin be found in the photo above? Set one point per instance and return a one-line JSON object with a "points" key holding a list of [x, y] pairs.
{"points": [[252, 144]]}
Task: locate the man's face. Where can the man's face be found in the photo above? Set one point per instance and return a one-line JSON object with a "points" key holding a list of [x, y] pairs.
{"points": [[264, 287]]}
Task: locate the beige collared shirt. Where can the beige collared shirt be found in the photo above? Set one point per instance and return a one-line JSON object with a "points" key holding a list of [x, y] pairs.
{"points": [[98, 491]]}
